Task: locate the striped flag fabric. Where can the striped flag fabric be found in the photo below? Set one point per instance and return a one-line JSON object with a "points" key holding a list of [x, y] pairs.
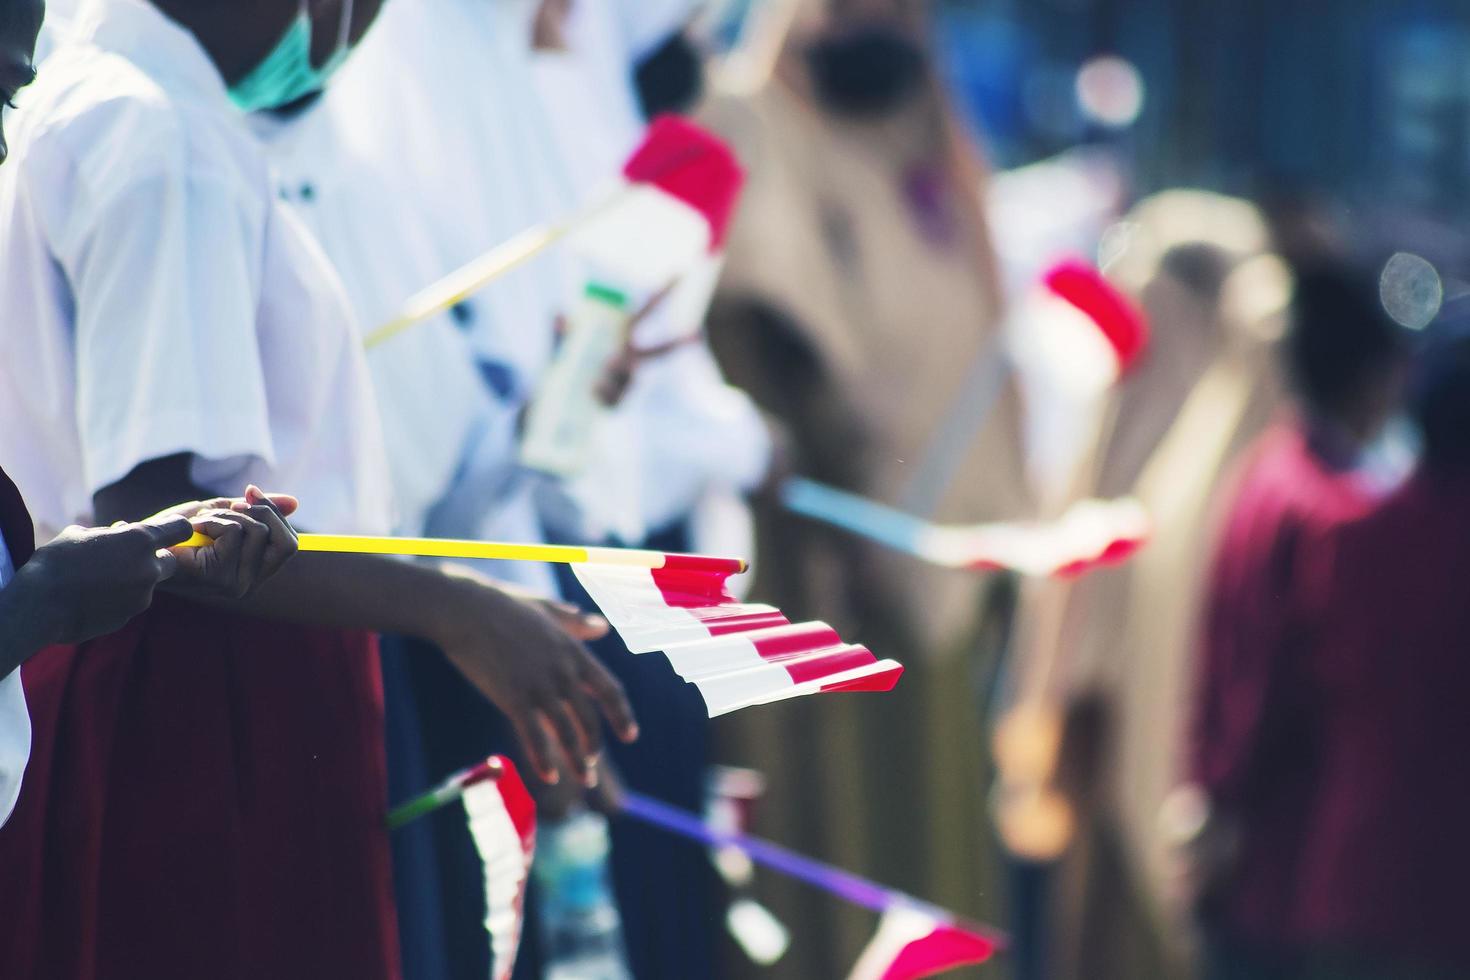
{"points": [[502, 819], [912, 942], [737, 654], [502, 822]]}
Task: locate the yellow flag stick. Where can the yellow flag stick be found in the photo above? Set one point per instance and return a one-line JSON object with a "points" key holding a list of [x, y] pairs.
{"points": [[479, 273], [347, 544]]}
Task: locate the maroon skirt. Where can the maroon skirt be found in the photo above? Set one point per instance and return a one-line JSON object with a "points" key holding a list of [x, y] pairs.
{"points": [[205, 798]]}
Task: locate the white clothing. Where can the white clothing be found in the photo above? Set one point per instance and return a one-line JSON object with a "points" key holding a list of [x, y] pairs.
{"points": [[161, 300], [467, 153], [430, 396], [465, 146], [1051, 210], [57, 22], [15, 721], [690, 434]]}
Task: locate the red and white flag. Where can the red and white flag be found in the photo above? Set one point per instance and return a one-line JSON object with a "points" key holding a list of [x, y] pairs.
{"points": [[502, 819], [1090, 534], [912, 943], [1111, 330], [670, 212], [737, 654]]}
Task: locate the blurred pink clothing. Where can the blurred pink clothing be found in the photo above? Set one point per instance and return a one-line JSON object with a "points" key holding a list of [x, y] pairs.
{"points": [[1252, 732], [1383, 869]]}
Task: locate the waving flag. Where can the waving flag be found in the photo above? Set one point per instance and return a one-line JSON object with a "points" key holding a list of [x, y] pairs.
{"points": [[1091, 534], [683, 175], [1115, 317], [915, 939], [912, 942], [736, 654], [1082, 327], [673, 205], [502, 819]]}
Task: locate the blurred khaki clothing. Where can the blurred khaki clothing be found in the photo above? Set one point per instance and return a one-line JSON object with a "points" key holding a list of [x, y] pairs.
{"points": [[853, 314], [1122, 639]]}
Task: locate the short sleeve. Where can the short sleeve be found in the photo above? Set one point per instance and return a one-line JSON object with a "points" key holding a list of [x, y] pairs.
{"points": [[163, 274]]}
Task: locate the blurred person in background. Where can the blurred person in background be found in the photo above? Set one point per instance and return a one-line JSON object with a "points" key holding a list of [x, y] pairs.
{"points": [[860, 294], [1086, 737], [1379, 862], [1257, 739]]}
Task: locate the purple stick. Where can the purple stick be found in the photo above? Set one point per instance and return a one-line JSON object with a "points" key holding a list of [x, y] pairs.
{"points": [[843, 884]]}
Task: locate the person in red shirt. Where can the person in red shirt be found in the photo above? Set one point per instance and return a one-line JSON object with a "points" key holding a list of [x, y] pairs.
{"points": [[1251, 755], [1383, 853]]}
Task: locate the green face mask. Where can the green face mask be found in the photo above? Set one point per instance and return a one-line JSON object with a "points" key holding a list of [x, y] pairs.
{"points": [[287, 74]]}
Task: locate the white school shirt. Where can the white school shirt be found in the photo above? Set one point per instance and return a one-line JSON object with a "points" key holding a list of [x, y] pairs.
{"points": [[694, 436], [439, 93], [430, 397], [160, 300], [15, 721]]}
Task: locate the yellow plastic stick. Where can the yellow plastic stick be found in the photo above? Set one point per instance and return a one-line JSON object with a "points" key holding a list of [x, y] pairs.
{"points": [[479, 273], [439, 548], [348, 544]]}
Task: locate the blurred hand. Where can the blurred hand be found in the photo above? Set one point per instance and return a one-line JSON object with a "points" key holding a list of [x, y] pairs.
{"points": [[618, 373], [88, 582], [251, 540], [525, 655], [1202, 847]]}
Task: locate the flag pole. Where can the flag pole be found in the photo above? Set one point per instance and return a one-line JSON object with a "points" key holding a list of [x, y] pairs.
{"points": [[351, 544], [445, 793], [843, 884]]}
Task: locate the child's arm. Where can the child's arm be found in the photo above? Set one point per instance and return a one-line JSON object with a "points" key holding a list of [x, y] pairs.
{"points": [[510, 648]]}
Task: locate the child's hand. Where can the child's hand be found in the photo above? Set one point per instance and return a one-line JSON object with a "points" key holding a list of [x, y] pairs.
{"points": [[251, 540], [525, 656], [90, 581]]}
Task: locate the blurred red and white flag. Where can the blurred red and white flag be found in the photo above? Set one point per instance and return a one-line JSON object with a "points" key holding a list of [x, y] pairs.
{"points": [[671, 209], [1091, 534], [912, 943], [737, 654], [502, 819], [1105, 326]]}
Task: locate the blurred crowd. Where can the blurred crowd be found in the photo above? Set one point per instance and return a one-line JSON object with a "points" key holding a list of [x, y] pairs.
{"points": [[1231, 756]]}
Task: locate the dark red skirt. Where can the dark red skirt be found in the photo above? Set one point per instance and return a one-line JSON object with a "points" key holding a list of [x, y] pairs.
{"points": [[205, 798]]}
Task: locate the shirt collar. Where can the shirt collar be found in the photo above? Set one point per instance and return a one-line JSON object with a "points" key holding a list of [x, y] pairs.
{"points": [[167, 51]]}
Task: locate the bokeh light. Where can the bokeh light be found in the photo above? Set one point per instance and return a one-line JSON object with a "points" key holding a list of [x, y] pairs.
{"points": [[1411, 290], [1110, 91]]}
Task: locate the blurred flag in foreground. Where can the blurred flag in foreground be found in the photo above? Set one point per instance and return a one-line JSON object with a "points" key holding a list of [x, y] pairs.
{"points": [[502, 819], [913, 943]]}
